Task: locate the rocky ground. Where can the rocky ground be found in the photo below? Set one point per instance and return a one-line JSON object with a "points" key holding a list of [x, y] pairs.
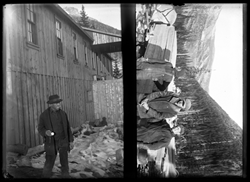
{"points": [[97, 153]]}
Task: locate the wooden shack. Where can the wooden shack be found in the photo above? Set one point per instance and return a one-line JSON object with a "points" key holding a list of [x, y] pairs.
{"points": [[47, 53]]}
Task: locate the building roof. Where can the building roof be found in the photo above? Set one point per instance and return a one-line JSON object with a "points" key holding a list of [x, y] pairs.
{"points": [[68, 17], [84, 30], [101, 32]]}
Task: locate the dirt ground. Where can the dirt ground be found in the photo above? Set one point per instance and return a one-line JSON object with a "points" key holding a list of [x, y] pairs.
{"points": [[30, 172], [25, 172], [95, 155]]}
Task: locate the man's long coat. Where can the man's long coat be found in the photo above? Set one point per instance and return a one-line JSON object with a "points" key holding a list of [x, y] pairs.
{"points": [[45, 124]]}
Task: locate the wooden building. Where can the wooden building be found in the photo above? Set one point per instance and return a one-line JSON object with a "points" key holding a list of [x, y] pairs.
{"points": [[47, 53], [106, 43]]}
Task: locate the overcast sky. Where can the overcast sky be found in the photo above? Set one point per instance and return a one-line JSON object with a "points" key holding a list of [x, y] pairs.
{"points": [[109, 14]]}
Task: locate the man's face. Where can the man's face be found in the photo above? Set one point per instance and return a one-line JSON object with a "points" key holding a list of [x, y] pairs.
{"points": [[177, 130], [56, 106], [181, 103]]}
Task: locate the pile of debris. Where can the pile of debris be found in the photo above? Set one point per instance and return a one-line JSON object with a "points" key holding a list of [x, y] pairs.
{"points": [[97, 152]]}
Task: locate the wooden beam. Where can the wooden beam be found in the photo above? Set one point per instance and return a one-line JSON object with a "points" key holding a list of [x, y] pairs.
{"points": [[107, 48], [101, 32]]}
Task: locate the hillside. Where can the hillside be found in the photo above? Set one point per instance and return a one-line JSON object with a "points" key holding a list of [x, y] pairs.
{"points": [[202, 26], [195, 27], [212, 143], [74, 13]]}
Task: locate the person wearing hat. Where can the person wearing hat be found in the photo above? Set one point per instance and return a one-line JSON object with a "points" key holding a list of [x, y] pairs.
{"points": [[157, 134], [54, 127], [161, 105], [155, 75]]}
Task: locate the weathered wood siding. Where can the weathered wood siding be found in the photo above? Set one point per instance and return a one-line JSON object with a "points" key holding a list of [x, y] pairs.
{"points": [[108, 100], [102, 38], [35, 72]]}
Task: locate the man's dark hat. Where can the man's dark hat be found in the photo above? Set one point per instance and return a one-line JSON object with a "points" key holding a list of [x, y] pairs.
{"points": [[54, 99]]}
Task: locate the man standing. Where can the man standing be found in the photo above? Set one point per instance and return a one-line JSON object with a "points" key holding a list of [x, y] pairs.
{"points": [[161, 105], [55, 129], [156, 135], [155, 75]]}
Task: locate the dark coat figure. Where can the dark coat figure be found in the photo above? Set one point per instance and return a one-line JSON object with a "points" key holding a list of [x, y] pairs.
{"points": [[155, 75], [161, 105], [154, 135], [55, 129]]}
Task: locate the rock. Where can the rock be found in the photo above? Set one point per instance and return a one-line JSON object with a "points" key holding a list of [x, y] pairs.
{"points": [[38, 165], [120, 133], [119, 123], [88, 133], [76, 131], [35, 150], [113, 135], [98, 122], [119, 156]]}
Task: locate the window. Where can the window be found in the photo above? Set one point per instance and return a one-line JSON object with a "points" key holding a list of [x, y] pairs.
{"points": [[90, 57], [110, 67], [100, 64], [59, 38], [31, 18], [93, 60], [86, 57], [107, 65], [75, 46]]}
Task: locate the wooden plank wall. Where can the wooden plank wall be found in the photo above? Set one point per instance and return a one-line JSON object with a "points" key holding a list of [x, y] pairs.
{"points": [[35, 73], [108, 100], [27, 102], [102, 38]]}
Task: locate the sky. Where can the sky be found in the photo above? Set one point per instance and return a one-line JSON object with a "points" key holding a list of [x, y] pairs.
{"points": [[226, 84], [109, 14]]}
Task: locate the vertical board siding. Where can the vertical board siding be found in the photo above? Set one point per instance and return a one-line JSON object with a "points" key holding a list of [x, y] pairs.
{"points": [[37, 73], [108, 100], [20, 105], [100, 38], [29, 101]]}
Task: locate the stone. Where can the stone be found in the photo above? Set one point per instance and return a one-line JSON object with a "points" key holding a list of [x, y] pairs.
{"points": [[35, 150]]}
